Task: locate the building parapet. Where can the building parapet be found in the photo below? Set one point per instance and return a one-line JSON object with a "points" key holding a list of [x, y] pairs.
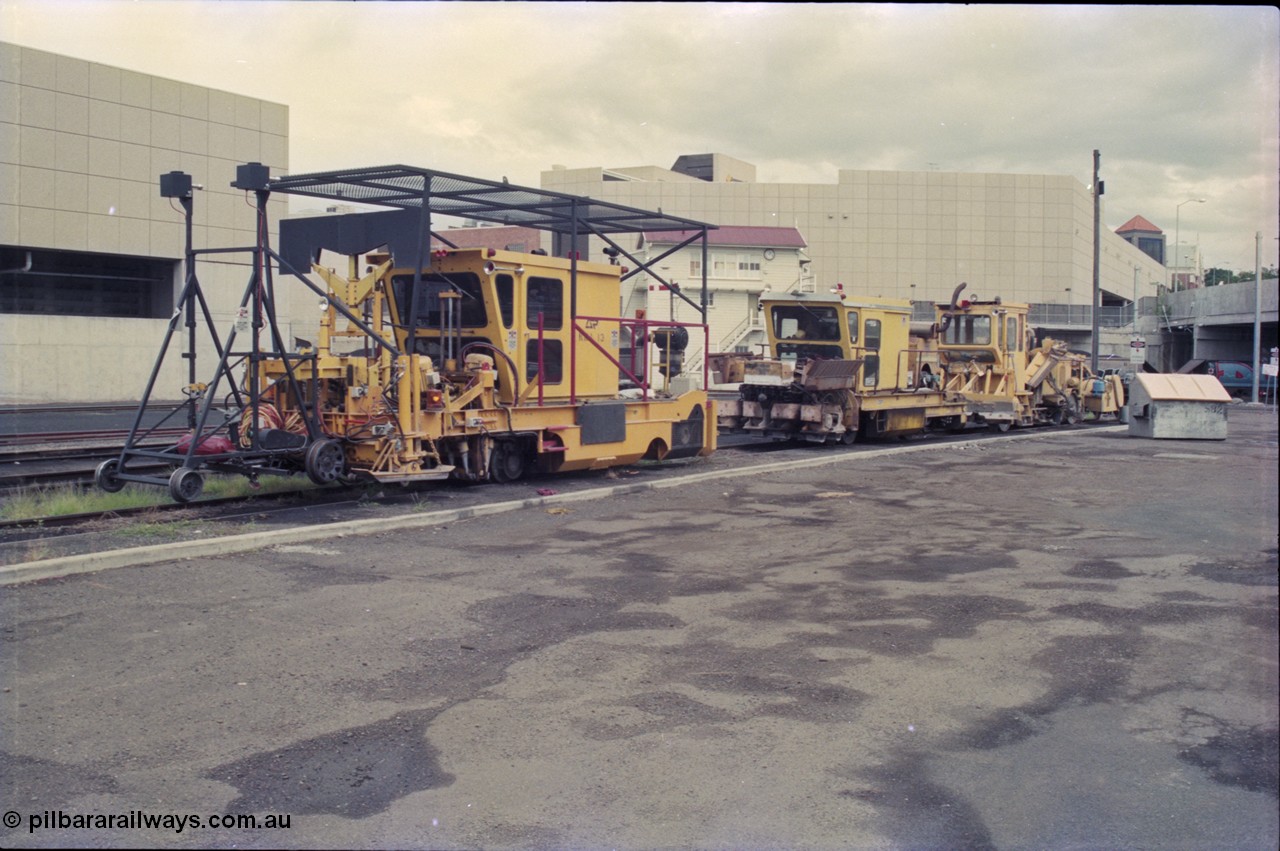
{"points": [[1228, 304]]}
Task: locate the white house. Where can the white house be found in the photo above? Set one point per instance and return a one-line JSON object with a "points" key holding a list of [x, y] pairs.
{"points": [[742, 263]]}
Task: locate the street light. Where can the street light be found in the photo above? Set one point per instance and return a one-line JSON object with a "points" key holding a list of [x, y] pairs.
{"points": [[1177, 232]]}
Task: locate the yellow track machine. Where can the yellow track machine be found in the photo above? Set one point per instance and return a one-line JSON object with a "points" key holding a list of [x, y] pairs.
{"points": [[990, 360], [847, 365], [840, 365], [427, 362]]}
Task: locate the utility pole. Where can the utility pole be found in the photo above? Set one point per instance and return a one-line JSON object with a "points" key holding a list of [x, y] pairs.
{"points": [[1097, 244], [1257, 311]]}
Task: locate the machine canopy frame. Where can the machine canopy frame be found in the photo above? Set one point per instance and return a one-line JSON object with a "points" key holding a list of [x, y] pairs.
{"points": [[414, 194], [570, 218]]}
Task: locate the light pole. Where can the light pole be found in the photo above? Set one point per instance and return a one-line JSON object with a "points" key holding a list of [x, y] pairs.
{"points": [[1177, 234], [1133, 308], [1095, 295]]}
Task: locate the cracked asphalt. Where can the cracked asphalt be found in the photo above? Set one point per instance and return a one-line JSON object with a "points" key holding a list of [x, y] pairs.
{"points": [[1068, 642]]}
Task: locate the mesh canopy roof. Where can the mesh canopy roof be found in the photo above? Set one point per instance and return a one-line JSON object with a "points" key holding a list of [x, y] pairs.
{"points": [[469, 197]]}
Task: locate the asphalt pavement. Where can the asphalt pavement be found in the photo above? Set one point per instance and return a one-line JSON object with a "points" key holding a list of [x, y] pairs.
{"points": [[1063, 641]]}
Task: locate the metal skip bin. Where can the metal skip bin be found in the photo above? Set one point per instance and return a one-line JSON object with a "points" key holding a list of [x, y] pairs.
{"points": [[1183, 407]]}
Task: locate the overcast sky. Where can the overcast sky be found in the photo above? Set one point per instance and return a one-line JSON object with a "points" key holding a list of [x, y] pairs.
{"points": [[1181, 101]]}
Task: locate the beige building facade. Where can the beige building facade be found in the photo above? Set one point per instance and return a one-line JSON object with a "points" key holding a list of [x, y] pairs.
{"points": [[92, 255], [1023, 237]]}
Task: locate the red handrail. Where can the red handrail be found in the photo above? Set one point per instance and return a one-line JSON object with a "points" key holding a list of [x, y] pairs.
{"points": [[643, 325]]}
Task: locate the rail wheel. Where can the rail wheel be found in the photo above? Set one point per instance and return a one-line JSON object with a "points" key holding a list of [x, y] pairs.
{"points": [[1000, 427], [848, 437], [326, 462], [506, 462], [107, 476], [185, 484]]}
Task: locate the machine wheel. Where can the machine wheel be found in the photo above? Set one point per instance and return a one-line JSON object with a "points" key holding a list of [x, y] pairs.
{"points": [[506, 461], [326, 462], [107, 476], [185, 484]]}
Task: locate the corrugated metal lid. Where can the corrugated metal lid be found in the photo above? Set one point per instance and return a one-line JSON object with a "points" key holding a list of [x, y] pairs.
{"points": [[1190, 388]]}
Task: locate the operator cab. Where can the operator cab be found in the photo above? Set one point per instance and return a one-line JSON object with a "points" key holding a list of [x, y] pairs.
{"points": [[869, 329], [983, 332], [513, 308]]}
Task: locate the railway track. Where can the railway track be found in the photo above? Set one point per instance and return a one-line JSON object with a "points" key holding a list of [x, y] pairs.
{"points": [[72, 440], [338, 502], [35, 459]]}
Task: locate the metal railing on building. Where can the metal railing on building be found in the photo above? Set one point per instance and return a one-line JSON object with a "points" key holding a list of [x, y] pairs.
{"points": [[1081, 315], [1053, 315]]}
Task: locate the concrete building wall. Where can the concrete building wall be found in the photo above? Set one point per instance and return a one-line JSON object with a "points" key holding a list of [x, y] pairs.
{"points": [[1026, 238], [82, 146]]}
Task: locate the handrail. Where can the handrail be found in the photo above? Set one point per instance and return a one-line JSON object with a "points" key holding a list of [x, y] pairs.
{"points": [[1080, 314], [742, 329], [623, 323]]}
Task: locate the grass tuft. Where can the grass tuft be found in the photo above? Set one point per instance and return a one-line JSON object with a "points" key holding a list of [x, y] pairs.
{"points": [[33, 503]]}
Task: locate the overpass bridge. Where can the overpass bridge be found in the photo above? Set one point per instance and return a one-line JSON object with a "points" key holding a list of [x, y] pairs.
{"points": [[1211, 323]]}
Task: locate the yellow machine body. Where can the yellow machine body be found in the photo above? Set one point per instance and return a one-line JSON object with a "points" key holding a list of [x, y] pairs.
{"points": [[990, 360], [839, 366], [507, 364], [848, 365]]}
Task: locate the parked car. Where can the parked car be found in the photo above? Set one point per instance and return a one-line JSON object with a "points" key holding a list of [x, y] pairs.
{"points": [[1236, 376]]}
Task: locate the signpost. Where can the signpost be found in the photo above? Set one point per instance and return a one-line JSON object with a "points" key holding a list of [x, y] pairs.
{"points": [[1270, 369]]}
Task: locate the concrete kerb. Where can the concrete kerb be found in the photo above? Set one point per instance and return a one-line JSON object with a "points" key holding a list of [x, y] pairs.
{"points": [[16, 574]]}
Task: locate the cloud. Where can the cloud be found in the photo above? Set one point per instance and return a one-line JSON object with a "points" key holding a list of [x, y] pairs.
{"points": [[1181, 101]]}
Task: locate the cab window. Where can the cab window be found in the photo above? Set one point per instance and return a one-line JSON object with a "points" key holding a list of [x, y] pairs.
{"points": [[505, 288], [872, 333], [852, 321], [796, 351], [871, 362], [545, 296], [552, 352], [426, 310], [969, 331], [801, 322]]}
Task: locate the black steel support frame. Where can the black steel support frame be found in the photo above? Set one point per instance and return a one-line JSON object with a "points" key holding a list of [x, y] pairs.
{"points": [[258, 300]]}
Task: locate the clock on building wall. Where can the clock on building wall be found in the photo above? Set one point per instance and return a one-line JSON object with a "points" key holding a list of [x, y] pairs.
{"points": [[768, 254]]}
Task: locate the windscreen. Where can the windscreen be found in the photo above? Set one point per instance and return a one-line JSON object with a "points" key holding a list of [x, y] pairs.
{"points": [[426, 311], [805, 322]]}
